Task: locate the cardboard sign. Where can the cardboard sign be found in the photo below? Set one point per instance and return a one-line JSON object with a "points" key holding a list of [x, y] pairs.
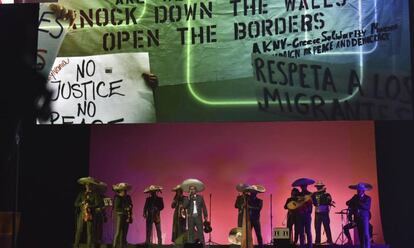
{"points": [[101, 89]]}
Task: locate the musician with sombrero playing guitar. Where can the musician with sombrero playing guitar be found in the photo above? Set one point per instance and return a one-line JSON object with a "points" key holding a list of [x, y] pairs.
{"points": [[304, 210], [291, 219]]}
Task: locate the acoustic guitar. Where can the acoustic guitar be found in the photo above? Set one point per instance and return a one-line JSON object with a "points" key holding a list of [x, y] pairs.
{"points": [[294, 205]]}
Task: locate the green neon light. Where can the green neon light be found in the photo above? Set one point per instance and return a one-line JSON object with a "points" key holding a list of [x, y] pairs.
{"points": [[245, 102]]}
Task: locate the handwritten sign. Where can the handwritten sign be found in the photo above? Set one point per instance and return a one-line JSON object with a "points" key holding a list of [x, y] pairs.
{"points": [[324, 91], [51, 34], [101, 89], [205, 47]]}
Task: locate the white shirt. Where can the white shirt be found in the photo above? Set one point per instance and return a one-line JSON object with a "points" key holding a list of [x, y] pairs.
{"points": [[195, 207]]}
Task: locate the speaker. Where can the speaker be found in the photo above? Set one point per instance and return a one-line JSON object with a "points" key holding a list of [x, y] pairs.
{"points": [[281, 237]]}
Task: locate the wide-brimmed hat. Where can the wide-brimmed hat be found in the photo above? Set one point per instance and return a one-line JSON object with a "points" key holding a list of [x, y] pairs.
{"points": [[199, 186], [361, 186], [177, 187], [101, 186], [242, 187], [319, 184], [121, 186], [88, 180], [152, 188], [303, 182], [257, 188]]}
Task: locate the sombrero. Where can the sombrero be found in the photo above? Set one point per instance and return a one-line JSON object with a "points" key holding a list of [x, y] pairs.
{"points": [[192, 182], [177, 187], [361, 186], [303, 182], [152, 188], [121, 186], [319, 184], [88, 180], [257, 188], [242, 187], [102, 186]]}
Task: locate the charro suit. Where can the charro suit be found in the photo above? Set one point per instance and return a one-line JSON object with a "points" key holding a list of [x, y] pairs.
{"points": [[152, 209], [322, 202], [93, 201], [239, 204], [255, 206], [179, 221], [122, 207], [196, 207], [361, 207]]}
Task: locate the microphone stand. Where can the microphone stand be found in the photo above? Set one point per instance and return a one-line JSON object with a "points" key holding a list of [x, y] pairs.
{"points": [[271, 221], [247, 223], [210, 242]]}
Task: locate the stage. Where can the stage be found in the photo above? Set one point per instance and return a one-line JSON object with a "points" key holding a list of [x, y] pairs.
{"points": [[237, 246]]}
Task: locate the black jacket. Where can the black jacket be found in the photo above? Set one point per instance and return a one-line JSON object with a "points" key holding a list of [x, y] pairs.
{"points": [[200, 204], [360, 206]]}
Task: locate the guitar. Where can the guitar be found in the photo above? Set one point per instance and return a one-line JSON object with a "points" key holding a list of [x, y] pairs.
{"points": [[294, 205]]}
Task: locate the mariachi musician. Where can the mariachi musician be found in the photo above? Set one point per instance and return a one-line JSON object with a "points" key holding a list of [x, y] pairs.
{"points": [[100, 212], [152, 212], [246, 227], [255, 205], [360, 206], [180, 214], [322, 202], [249, 206], [351, 216], [123, 214], [291, 217], [240, 202], [304, 211], [85, 204], [196, 209]]}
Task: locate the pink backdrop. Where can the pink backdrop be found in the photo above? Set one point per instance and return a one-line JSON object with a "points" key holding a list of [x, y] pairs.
{"points": [[224, 154]]}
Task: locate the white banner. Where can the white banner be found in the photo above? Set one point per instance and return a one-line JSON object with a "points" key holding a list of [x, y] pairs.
{"points": [[101, 89]]}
